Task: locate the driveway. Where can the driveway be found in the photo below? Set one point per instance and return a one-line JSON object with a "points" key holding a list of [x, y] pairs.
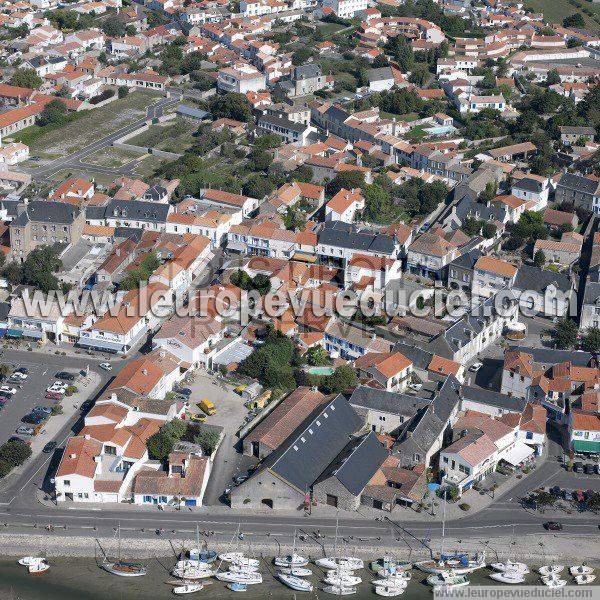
{"points": [[230, 416]]}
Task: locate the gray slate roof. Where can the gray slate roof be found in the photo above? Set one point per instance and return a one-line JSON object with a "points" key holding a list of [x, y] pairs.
{"points": [[301, 462], [137, 211], [384, 401], [347, 235], [495, 399], [357, 463], [536, 279], [578, 183], [545, 356], [45, 211]]}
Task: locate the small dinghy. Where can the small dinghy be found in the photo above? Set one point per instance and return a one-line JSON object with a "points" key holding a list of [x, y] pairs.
{"points": [[295, 583], [581, 570], [290, 561], [548, 570], [26, 561], [584, 579], [339, 590], [297, 571], [234, 586], [509, 565], [38, 568], [389, 590], [510, 577], [189, 588]]}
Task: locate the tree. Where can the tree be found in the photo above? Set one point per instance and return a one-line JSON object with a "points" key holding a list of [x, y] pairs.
{"points": [[489, 193], [114, 26], [39, 268], [419, 75], [564, 334], [208, 438], [303, 174], [15, 453], [122, 91], [539, 259], [530, 226], [342, 380], [348, 180], [401, 52], [54, 113], [4, 370], [489, 230], [552, 77], [317, 356], [591, 340], [231, 106], [301, 55], [160, 445], [192, 62], [171, 59], [575, 20], [26, 78]]}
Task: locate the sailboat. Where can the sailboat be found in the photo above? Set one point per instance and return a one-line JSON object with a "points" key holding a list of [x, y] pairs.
{"points": [[510, 565], [247, 578], [123, 568], [192, 570], [296, 571], [585, 578], [201, 555], [459, 564], [388, 563], [291, 560], [396, 581], [389, 590], [548, 570], [581, 570], [447, 578], [343, 578], [347, 563], [512, 577], [339, 590], [295, 583]]}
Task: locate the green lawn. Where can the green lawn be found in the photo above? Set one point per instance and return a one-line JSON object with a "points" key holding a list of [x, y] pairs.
{"points": [[172, 136], [87, 126], [407, 117], [556, 10]]}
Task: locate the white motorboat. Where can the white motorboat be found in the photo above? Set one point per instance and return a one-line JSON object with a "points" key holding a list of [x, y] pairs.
{"points": [[459, 564], [509, 565], [38, 568], [348, 563], [389, 590], [584, 579], [295, 583], [30, 560], [235, 568], [189, 588], [339, 590], [247, 578], [581, 570], [547, 570], [449, 578], [342, 578], [511, 577], [394, 582], [296, 571], [291, 560], [192, 573], [553, 583]]}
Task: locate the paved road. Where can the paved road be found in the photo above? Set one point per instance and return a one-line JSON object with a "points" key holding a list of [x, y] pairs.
{"points": [[154, 111]]}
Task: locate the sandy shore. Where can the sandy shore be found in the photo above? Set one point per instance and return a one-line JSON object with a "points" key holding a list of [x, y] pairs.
{"points": [[536, 549]]}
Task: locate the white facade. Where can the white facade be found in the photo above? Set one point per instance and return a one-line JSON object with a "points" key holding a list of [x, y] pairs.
{"points": [[346, 9]]}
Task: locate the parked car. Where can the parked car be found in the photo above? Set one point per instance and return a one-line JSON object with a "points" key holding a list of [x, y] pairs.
{"points": [[5, 397], [185, 392], [553, 526], [577, 466], [53, 395], [556, 491], [18, 376], [597, 469], [23, 370], [5, 389], [198, 418], [57, 387], [49, 447], [105, 366], [33, 419], [240, 479], [43, 409], [589, 469], [24, 430], [475, 367], [65, 375]]}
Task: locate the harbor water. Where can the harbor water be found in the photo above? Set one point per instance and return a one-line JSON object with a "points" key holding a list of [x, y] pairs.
{"points": [[82, 579]]}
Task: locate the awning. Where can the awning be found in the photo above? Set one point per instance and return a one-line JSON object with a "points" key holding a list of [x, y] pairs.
{"points": [[586, 446], [518, 453], [33, 333], [104, 345], [309, 258], [14, 333]]}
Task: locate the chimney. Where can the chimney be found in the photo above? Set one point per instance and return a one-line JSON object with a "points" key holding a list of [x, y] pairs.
{"points": [[73, 456], [144, 371], [87, 436], [113, 397]]}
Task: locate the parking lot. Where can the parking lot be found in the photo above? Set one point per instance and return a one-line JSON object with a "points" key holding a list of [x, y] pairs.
{"points": [[230, 415]]}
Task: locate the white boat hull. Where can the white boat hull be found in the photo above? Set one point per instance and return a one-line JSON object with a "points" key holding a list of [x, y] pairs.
{"points": [[389, 591], [187, 589], [348, 563], [295, 583], [584, 579], [510, 566], [247, 578], [508, 577], [120, 571], [342, 580], [291, 561], [581, 570], [339, 590], [192, 573], [38, 568], [547, 570], [26, 561], [297, 571], [390, 582], [434, 567]]}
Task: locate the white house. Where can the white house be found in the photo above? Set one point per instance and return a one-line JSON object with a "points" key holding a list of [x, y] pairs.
{"points": [[584, 431], [344, 205]]}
